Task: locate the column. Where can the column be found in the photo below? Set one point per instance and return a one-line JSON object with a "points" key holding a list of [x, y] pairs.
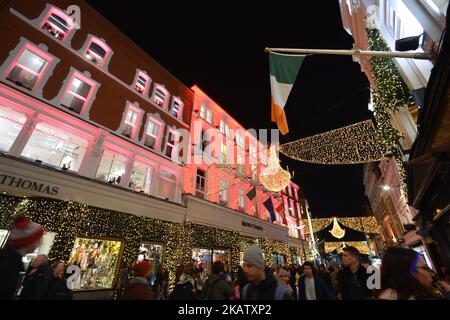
{"points": [[24, 135], [127, 176], [93, 156], [155, 180]]}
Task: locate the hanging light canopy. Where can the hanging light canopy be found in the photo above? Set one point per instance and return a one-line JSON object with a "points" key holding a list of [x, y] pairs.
{"points": [[274, 177], [337, 231]]}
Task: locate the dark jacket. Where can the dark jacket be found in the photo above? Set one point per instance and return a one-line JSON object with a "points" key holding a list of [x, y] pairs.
{"points": [[322, 291], [353, 286], [216, 288], [265, 290], [36, 285], [138, 289], [59, 290], [10, 267], [184, 289], [326, 278]]}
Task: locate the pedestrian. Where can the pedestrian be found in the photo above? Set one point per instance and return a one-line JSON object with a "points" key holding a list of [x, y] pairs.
{"points": [[179, 271], [284, 277], [24, 238], [138, 287], [292, 282], [352, 279], [201, 275], [311, 286], [325, 275], [333, 269], [241, 280], [262, 283], [406, 276], [58, 283], [36, 282], [122, 281], [165, 284], [365, 262], [157, 286], [217, 287], [185, 288]]}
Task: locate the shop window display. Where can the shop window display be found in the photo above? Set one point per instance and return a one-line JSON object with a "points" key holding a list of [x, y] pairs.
{"points": [[277, 260], [98, 260], [151, 252], [205, 257]]}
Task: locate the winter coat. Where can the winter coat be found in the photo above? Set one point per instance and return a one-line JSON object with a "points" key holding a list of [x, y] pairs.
{"points": [[265, 290], [216, 288], [10, 267], [184, 289], [346, 286], [59, 290], [36, 285], [138, 289], [322, 290]]}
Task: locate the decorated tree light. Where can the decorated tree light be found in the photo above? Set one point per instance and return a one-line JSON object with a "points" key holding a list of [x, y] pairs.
{"points": [[274, 177]]}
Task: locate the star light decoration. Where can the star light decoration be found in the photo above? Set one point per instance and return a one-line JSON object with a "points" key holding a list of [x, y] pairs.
{"points": [[274, 177]]}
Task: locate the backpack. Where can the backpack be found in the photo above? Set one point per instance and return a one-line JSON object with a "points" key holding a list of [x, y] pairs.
{"points": [[279, 292], [209, 290]]}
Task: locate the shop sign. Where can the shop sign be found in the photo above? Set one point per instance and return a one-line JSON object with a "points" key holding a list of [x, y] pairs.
{"points": [[27, 184], [252, 226]]}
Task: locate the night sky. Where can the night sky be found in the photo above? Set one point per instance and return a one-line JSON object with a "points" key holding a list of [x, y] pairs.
{"points": [[220, 48]]}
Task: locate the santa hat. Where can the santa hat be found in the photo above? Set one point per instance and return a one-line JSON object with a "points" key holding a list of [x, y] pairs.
{"points": [[25, 232], [141, 268]]}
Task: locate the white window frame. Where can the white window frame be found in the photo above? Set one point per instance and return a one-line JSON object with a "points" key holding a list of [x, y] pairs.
{"points": [[101, 43], [135, 108], [179, 116], [156, 119], [162, 88], [143, 74], [48, 11]]}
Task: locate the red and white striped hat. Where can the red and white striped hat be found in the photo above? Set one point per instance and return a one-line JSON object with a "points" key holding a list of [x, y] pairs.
{"points": [[25, 232]]}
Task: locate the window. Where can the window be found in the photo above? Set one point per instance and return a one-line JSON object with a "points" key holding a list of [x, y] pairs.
{"points": [[222, 127], [209, 116], [11, 122], [112, 167], [223, 152], [58, 23], [241, 200], [299, 211], [177, 108], [203, 111], [141, 177], [142, 83], [223, 193], [151, 135], [28, 68], [50, 144], [200, 184], [131, 123], [160, 96], [291, 208], [203, 142], [97, 52], [78, 93], [286, 204], [167, 185], [240, 164], [252, 151], [171, 139], [240, 139], [254, 169]]}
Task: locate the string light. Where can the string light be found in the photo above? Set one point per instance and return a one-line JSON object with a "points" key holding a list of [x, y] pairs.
{"points": [[390, 94], [356, 143], [361, 224], [70, 220], [337, 231], [339, 245], [274, 177]]}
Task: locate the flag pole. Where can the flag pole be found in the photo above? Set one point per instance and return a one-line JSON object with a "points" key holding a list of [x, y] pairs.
{"points": [[393, 54]]}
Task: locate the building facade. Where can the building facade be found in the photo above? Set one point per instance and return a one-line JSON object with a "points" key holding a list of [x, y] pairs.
{"points": [[397, 19]]}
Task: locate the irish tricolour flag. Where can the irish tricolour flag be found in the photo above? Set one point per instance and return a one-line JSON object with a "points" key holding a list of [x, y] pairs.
{"points": [[283, 72]]}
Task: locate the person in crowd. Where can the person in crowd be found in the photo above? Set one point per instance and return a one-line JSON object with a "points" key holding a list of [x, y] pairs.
{"points": [[292, 280], [352, 279], [36, 283], [201, 275], [325, 275], [179, 271], [138, 287], [58, 283], [185, 288], [405, 275], [227, 273], [262, 283], [365, 262], [165, 284], [217, 287], [122, 281], [333, 269], [24, 238], [284, 279], [157, 286], [241, 280], [311, 286]]}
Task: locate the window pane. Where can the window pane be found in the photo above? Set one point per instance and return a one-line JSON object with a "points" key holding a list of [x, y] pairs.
{"points": [[112, 167], [167, 185], [95, 48], [32, 61], [59, 22], [80, 87], [175, 109], [131, 117], [11, 122], [56, 147], [73, 103], [141, 177]]}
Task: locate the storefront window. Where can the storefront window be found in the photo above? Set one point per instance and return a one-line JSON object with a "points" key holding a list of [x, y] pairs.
{"points": [[141, 177], [277, 260], [11, 122], [98, 260], [151, 252], [56, 147], [205, 257], [112, 167]]}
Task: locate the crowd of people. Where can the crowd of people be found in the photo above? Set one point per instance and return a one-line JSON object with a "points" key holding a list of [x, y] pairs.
{"points": [[404, 275]]}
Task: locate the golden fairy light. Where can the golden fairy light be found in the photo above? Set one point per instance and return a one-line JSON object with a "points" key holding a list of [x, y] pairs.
{"points": [[274, 177], [337, 231]]}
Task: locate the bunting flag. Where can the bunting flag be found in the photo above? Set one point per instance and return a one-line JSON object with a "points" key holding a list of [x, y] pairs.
{"points": [[280, 210], [283, 73], [269, 206], [252, 193]]}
